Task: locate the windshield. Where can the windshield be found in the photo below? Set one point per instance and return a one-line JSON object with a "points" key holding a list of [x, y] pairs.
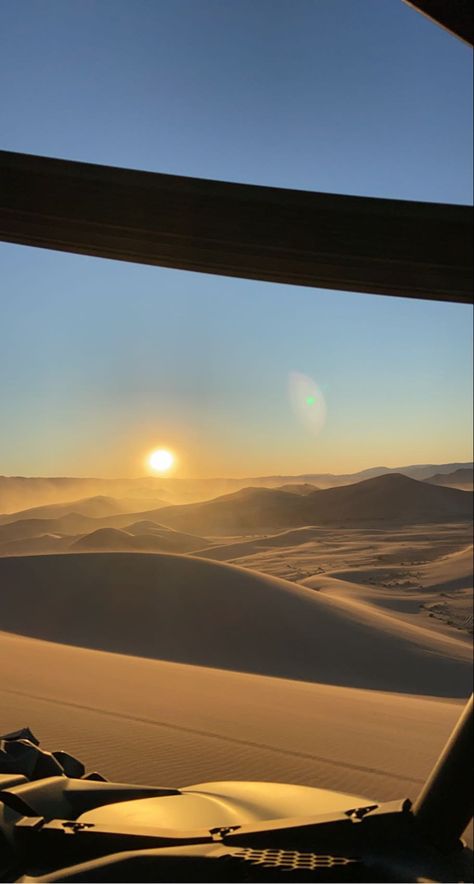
{"points": [[235, 516]]}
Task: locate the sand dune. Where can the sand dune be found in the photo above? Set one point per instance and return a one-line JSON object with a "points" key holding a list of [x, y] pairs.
{"points": [[392, 498], [20, 492], [103, 539], [43, 544], [163, 538], [462, 479], [450, 572], [96, 507], [72, 523], [147, 721], [441, 590], [177, 669], [201, 612], [238, 549], [423, 572], [145, 536], [453, 571], [243, 512], [115, 531]]}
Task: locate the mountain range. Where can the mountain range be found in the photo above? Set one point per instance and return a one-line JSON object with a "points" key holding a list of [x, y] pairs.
{"points": [[462, 478], [19, 493], [392, 499]]}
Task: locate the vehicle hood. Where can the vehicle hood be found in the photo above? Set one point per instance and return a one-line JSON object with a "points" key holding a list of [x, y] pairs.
{"points": [[209, 805]]}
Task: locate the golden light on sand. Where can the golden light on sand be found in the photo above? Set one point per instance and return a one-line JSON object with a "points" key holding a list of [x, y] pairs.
{"points": [[161, 460]]}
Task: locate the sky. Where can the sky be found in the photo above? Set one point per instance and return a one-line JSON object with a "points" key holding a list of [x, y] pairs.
{"points": [[101, 361]]}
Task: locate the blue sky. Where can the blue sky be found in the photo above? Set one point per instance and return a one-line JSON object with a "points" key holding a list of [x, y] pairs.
{"points": [[101, 360]]}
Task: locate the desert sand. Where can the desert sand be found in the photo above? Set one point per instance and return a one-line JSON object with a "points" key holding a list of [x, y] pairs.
{"points": [[192, 610], [423, 573], [144, 535], [148, 721], [318, 637]]}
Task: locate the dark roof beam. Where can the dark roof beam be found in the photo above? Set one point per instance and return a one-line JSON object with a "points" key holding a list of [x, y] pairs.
{"points": [[359, 244]]}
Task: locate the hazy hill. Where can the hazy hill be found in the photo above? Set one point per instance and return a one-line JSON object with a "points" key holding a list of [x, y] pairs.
{"points": [[72, 523], [96, 507], [390, 498], [250, 510], [196, 611], [19, 493], [462, 479], [298, 488], [42, 543], [103, 539], [422, 471]]}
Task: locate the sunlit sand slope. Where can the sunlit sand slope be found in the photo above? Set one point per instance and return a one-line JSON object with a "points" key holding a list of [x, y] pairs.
{"points": [[148, 721], [196, 611], [438, 594]]}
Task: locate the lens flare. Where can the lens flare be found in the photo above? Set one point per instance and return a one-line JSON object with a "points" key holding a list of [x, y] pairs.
{"points": [[307, 401]]}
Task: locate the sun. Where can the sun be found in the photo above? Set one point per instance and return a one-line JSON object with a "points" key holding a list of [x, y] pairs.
{"points": [[161, 460]]}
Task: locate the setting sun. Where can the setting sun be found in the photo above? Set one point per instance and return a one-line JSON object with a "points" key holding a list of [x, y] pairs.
{"points": [[160, 460]]}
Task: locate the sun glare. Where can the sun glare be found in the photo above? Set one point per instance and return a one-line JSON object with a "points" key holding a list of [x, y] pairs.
{"points": [[161, 460]]}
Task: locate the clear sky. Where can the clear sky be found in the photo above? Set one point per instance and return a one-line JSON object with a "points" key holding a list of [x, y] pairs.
{"points": [[101, 361]]}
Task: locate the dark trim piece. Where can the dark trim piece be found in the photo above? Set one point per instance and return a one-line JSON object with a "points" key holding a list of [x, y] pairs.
{"points": [[454, 16], [443, 818], [379, 246]]}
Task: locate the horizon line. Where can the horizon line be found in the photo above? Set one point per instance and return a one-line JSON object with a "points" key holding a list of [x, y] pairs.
{"points": [[466, 464]]}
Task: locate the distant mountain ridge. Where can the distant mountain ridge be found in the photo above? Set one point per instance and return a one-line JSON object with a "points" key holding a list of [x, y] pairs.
{"points": [[391, 498], [18, 493], [95, 507], [462, 478]]}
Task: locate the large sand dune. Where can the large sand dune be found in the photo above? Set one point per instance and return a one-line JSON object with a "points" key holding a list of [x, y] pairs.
{"points": [[390, 499], [201, 612], [149, 721]]}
